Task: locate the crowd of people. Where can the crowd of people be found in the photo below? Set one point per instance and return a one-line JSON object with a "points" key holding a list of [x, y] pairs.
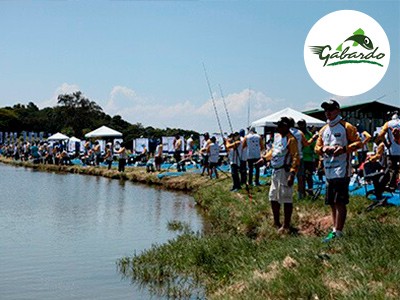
{"points": [[294, 151], [297, 152], [56, 153], [38, 152]]}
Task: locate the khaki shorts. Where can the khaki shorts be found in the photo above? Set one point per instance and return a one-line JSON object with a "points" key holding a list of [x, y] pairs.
{"points": [[280, 191]]}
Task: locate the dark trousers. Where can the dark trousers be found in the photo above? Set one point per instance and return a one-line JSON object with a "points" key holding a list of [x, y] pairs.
{"points": [[253, 166], [379, 177], [109, 163], [243, 172], [380, 182], [394, 166], [121, 164], [309, 168], [362, 156], [97, 159], [235, 176], [177, 157]]}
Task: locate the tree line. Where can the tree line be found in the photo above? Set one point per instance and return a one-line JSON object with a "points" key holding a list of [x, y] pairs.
{"points": [[76, 115]]}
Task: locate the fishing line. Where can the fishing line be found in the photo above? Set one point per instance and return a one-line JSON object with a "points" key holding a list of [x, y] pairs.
{"points": [[216, 112]]}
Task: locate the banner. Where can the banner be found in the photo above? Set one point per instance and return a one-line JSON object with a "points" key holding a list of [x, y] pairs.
{"points": [[139, 144], [1, 137], [168, 144], [117, 143]]}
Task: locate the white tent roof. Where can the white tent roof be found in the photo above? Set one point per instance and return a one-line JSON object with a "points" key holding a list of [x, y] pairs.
{"points": [[268, 121], [58, 136], [103, 131], [74, 139]]}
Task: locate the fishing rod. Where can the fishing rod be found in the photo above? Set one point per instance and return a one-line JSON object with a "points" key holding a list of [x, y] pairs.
{"points": [[229, 120], [215, 108], [248, 109], [226, 109], [213, 101]]}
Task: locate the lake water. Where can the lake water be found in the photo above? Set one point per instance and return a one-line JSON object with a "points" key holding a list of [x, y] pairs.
{"points": [[61, 234]]}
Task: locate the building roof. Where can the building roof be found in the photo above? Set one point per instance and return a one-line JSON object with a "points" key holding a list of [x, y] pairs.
{"points": [[367, 105]]}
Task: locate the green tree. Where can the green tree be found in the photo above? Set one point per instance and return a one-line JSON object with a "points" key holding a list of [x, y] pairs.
{"points": [[78, 112], [8, 120]]}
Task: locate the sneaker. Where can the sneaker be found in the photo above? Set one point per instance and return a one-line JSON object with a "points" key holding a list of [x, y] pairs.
{"points": [[331, 235]]}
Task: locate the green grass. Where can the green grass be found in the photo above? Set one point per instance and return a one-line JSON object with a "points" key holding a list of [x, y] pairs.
{"points": [[241, 256]]}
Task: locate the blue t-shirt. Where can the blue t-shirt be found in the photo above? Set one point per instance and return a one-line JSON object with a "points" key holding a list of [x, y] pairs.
{"points": [[35, 151]]}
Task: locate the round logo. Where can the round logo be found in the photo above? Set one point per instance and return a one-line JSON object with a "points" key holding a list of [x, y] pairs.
{"points": [[346, 53]]}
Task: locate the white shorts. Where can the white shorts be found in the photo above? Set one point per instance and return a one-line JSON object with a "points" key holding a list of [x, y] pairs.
{"points": [[280, 191]]}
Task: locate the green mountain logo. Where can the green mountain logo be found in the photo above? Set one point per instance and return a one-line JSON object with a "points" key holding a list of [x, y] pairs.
{"points": [[342, 56]]}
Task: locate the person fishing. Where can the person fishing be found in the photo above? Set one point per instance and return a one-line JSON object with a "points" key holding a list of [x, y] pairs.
{"points": [[284, 158], [190, 147], [108, 156], [307, 158], [158, 155], [213, 153], [391, 130], [243, 158], [204, 154], [97, 153], [365, 138], [253, 143], [121, 151], [301, 143], [232, 146], [177, 144], [375, 168]]}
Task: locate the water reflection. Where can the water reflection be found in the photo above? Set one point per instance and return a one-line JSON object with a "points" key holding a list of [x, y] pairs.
{"points": [[62, 234]]}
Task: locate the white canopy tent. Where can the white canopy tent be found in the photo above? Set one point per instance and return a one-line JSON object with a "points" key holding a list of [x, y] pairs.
{"points": [[74, 139], [268, 121], [103, 131], [58, 137]]}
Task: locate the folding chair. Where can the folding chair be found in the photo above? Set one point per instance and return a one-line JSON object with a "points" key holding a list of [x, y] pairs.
{"points": [[374, 172]]}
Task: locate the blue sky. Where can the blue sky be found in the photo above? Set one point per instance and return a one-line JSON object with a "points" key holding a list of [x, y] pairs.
{"points": [[144, 59]]}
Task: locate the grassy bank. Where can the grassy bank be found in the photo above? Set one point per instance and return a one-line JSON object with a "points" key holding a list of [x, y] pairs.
{"points": [[240, 255]]}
